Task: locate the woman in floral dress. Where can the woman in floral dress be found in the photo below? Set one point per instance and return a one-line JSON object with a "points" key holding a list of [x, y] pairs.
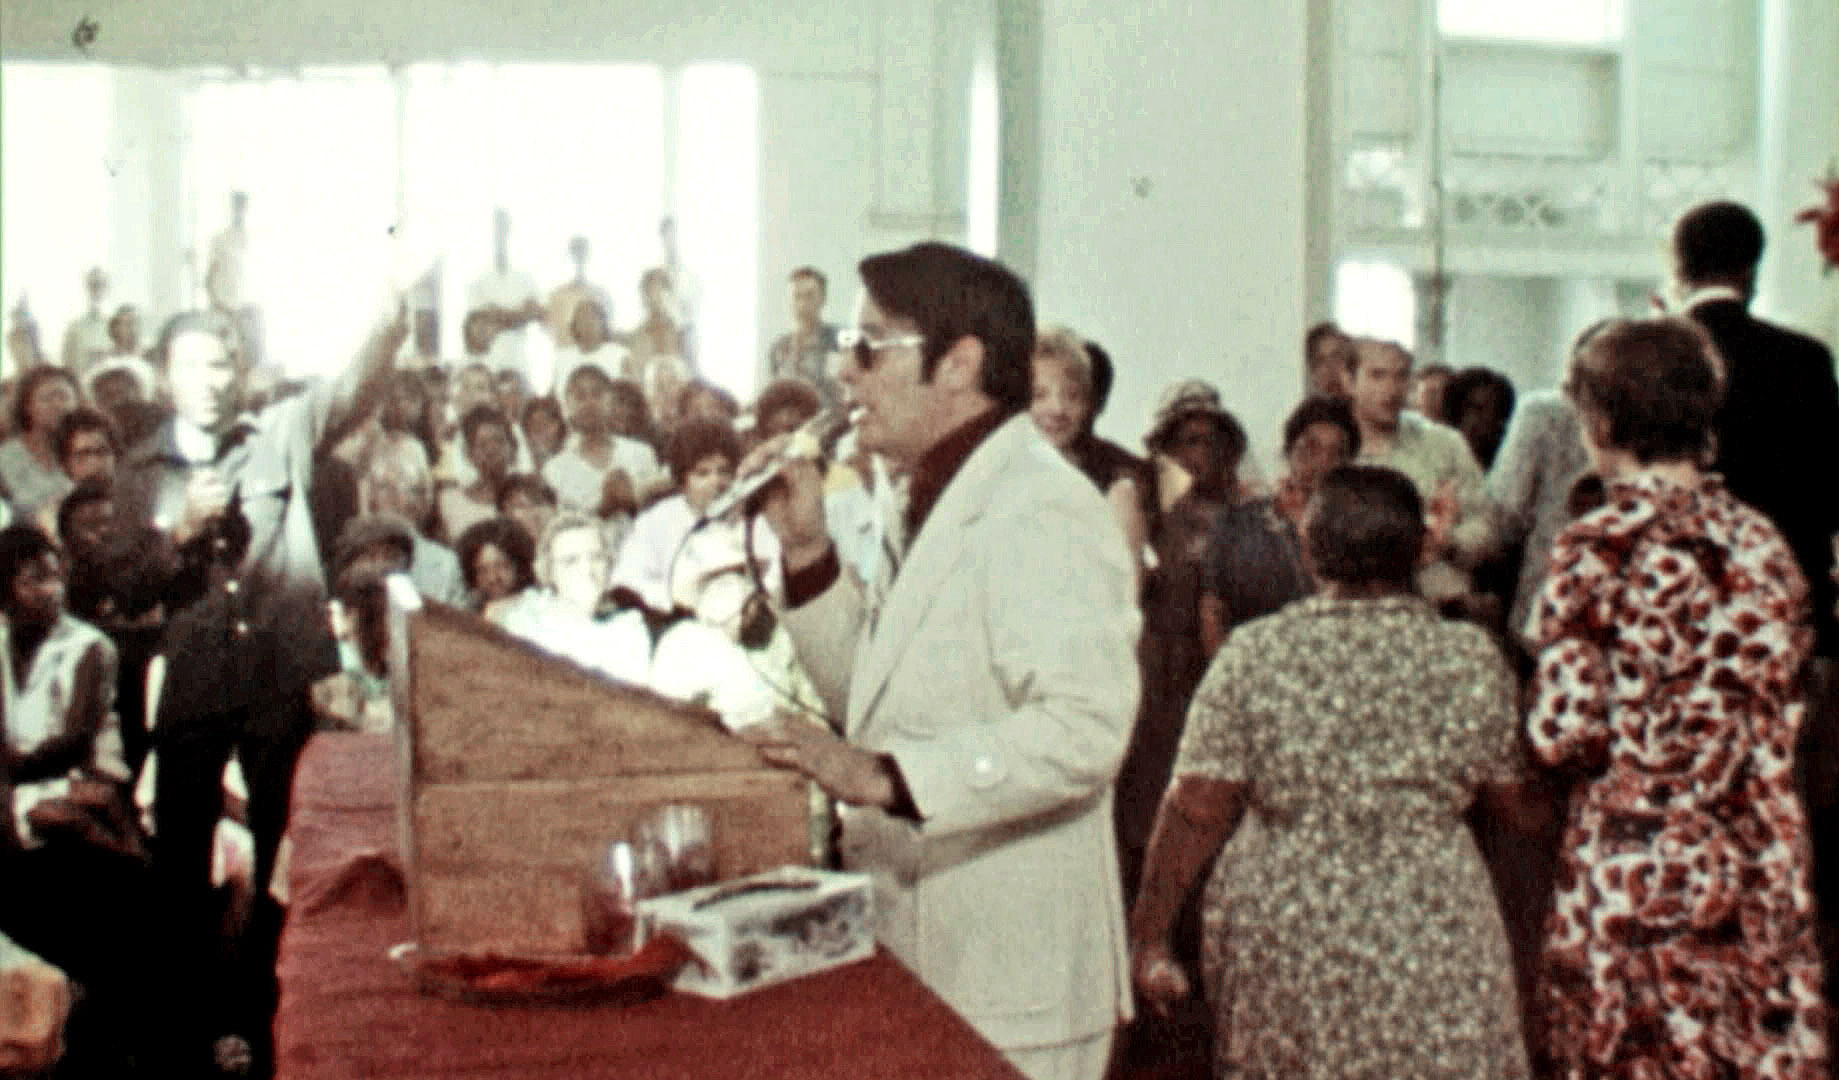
{"points": [[1670, 637], [1350, 928]]}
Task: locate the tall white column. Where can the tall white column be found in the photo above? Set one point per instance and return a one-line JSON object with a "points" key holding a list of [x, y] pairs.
{"points": [[1172, 219], [1799, 114]]}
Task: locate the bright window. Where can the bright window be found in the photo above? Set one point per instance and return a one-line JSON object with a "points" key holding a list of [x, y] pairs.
{"points": [[565, 149], [54, 184], [1376, 299], [1575, 22], [717, 209], [316, 155]]}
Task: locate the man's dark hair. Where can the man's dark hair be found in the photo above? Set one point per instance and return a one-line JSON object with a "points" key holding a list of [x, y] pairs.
{"points": [[79, 420], [1315, 334], [1475, 380], [1353, 354], [1717, 240], [529, 484], [505, 535], [812, 272], [28, 387], [696, 440], [950, 293], [788, 393], [688, 392], [1366, 526], [590, 372], [88, 493], [206, 321], [20, 545], [1321, 409], [1654, 384], [481, 416], [541, 404]]}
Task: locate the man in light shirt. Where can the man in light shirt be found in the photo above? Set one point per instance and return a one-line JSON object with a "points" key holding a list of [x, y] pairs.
{"points": [[1434, 457], [510, 296]]}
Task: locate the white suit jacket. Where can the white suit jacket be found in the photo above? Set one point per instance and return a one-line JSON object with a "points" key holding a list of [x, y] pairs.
{"points": [[999, 669]]}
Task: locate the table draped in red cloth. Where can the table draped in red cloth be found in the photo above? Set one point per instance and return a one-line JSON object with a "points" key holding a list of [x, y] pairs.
{"points": [[346, 1012]]}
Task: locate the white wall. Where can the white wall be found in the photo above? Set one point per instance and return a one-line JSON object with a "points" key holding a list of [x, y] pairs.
{"points": [[1504, 323], [1170, 218]]}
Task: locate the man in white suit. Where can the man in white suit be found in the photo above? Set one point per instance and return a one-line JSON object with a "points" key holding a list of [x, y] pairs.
{"points": [[986, 680]]}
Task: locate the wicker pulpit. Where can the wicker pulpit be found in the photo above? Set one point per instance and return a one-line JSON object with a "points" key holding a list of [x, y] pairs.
{"points": [[518, 768]]}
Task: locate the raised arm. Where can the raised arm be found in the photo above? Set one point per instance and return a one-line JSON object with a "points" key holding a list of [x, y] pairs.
{"points": [[357, 391]]}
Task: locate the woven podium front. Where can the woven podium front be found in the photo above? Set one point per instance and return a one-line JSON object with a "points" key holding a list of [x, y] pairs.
{"points": [[518, 768]]}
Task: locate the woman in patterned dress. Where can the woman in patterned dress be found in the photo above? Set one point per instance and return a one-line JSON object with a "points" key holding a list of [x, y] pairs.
{"points": [[1350, 928], [1670, 636]]}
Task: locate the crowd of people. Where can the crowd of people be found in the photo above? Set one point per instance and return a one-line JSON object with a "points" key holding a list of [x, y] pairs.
{"points": [[1492, 737]]}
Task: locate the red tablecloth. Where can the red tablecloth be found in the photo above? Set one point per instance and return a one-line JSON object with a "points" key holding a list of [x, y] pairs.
{"points": [[346, 1012]]}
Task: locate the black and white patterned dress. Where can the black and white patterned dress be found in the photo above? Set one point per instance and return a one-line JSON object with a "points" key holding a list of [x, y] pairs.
{"points": [[1351, 930]]}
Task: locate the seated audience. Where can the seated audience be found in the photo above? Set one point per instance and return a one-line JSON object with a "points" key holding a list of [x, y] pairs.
{"points": [[127, 390], [510, 392], [119, 577], [30, 475], [632, 414], [699, 399], [1329, 759], [498, 560], [398, 484], [409, 410], [786, 405], [62, 734], [1436, 459], [86, 447], [486, 436], [543, 428], [1670, 636], [1062, 407], [473, 386], [702, 455], [357, 696], [1478, 403], [581, 471], [530, 502], [1255, 564], [676, 656], [71, 848], [592, 334]]}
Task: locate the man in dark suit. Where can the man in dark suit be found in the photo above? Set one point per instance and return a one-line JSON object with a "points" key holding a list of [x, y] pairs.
{"points": [[1778, 434], [1778, 448]]}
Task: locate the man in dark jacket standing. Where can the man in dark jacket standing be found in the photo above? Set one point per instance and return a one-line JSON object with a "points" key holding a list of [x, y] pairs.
{"points": [[1778, 448]]}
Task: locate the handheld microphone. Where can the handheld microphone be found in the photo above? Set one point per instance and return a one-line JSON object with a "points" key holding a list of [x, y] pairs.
{"points": [[815, 440]]}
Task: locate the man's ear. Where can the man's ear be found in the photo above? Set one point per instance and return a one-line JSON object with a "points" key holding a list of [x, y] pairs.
{"points": [[961, 368]]}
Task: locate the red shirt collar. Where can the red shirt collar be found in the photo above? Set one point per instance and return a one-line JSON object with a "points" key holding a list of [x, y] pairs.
{"points": [[939, 464]]}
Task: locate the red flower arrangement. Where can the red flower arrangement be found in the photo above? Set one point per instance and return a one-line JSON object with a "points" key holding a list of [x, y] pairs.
{"points": [[1825, 220]]}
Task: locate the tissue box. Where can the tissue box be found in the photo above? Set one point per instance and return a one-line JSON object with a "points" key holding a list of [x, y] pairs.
{"points": [[766, 928]]}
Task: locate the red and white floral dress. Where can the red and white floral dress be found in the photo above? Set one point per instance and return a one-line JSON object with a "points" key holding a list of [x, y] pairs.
{"points": [[1681, 943]]}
